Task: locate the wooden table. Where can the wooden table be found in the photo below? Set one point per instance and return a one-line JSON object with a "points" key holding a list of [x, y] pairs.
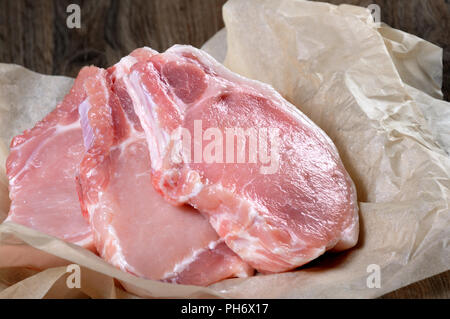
{"points": [[34, 33]]}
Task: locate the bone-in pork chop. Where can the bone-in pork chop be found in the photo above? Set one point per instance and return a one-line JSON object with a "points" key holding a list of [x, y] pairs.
{"points": [[41, 169], [134, 228], [282, 203]]}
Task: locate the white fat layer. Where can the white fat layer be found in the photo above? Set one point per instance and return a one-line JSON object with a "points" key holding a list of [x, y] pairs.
{"points": [[242, 273], [143, 106], [183, 264], [85, 241], [64, 128], [349, 235], [183, 198], [88, 133], [124, 66], [250, 248]]}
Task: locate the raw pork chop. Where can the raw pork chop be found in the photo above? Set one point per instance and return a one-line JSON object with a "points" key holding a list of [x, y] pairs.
{"points": [[276, 214], [41, 169], [135, 229]]}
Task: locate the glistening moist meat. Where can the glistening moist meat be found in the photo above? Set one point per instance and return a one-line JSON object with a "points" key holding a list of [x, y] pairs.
{"points": [[279, 206], [134, 228], [41, 168]]}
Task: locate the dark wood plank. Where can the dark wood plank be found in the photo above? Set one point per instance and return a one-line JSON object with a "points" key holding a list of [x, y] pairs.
{"points": [[36, 35], [33, 33], [437, 287]]}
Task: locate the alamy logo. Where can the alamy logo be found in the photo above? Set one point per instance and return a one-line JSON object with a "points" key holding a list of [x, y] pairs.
{"points": [[375, 11], [74, 279], [231, 145], [374, 279], [74, 18]]}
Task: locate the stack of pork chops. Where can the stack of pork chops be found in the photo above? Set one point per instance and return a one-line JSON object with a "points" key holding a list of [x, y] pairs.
{"points": [[173, 168]]}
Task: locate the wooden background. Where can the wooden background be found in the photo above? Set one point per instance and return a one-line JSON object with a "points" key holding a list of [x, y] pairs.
{"points": [[33, 33]]}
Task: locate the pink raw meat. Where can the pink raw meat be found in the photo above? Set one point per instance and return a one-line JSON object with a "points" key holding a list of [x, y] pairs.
{"points": [[275, 217], [41, 169], [135, 229]]}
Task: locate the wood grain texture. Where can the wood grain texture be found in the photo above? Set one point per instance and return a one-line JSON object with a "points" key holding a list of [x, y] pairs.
{"points": [[437, 287], [33, 33]]}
